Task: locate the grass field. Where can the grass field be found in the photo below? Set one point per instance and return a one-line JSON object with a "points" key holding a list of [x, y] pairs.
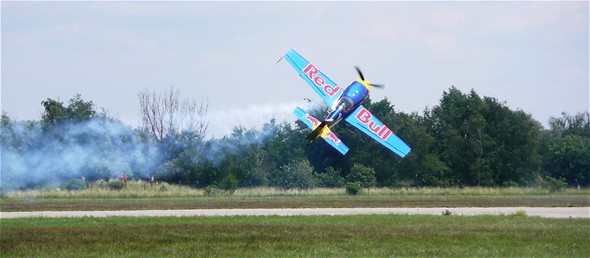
{"points": [[273, 236], [141, 196], [317, 236]]}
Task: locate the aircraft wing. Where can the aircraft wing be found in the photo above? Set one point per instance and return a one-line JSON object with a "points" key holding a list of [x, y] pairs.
{"points": [[327, 134], [319, 82], [362, 119]]}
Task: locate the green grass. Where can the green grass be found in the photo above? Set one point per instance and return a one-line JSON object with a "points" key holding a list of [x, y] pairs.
{"points": [[316, 236], [142, 196]]}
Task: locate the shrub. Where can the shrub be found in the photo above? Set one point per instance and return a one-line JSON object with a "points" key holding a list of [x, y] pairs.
{"points": [[554, 185], [75, 184], [330, 178], [116, 185], [229, 183], [297, 174], [353, 188], [163, 188], [521, 213], [363, 175], [447, 213], [255, 177], [211, 191]]}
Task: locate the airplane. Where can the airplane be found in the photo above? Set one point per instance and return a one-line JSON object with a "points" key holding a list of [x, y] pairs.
{"points": [[344, 104]]}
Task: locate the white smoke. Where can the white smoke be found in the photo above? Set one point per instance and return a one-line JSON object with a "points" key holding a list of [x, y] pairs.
{"points": [[32, 155], [222, 122]]}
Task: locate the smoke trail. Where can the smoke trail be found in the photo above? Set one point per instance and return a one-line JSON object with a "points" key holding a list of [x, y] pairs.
{"points": [[222, 122], [33, 155]]}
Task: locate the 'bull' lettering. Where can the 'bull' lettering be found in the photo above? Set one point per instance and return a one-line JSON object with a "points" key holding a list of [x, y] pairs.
{"points": [[365, 117]]}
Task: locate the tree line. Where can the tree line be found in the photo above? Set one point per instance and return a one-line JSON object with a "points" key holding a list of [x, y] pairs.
{"points": [[464, 140]]}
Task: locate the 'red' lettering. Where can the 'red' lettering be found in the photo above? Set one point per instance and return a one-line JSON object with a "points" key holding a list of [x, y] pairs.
{"points": [[319, 80], [310, 71], [331, 90]]}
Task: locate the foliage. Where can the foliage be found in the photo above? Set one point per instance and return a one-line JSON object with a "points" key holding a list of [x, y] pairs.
{"points": [[353, 188], [330, 178], [211, 191], [566, 149], [116, 185], [363, 175], [75, 184], [465, 140], [297, 174], [554, 184], [77, 110], [229, 183]]}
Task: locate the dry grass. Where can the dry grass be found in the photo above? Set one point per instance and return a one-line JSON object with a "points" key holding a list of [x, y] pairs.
{"points": [[140, 195], [142, 189]]}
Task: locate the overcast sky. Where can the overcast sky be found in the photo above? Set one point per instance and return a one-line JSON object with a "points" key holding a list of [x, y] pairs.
{"points": [[533, 55]]}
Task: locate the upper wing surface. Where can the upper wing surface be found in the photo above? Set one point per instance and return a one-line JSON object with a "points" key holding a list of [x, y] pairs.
{"points": [[362, 119], [319, 82]]}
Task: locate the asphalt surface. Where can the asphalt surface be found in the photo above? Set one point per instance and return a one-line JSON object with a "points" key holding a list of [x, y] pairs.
{"points": [[559, 212]]}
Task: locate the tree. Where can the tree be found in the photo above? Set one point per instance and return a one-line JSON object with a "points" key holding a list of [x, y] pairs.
{"points": [[330, 178], [483, 142], [363, 175], [77, 111], [167, 114], [297, 174], [566, 148]]}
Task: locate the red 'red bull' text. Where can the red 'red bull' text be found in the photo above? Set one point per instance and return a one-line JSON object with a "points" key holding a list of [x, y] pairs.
{"points": [[312, 73], [365, 117]]}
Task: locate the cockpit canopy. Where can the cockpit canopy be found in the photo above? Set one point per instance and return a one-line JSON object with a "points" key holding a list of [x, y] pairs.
{"points": [[345, 103]]}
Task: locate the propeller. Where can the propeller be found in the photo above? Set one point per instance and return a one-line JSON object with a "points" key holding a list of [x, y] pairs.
{"points": [[358, 70]]}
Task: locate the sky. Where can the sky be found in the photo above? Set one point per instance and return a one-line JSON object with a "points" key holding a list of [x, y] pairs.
{"points": [[531, 55]]}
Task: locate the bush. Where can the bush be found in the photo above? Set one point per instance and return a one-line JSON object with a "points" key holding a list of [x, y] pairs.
{"points": [[363, 175], [116, 185], [297, 174], [521, 213], [353, 188], [211, 191], [75, 185], [330, 178], [229, 184], [554, 185]]}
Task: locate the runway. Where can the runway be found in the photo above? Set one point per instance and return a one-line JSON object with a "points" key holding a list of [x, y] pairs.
{"points": [[559, 212]]}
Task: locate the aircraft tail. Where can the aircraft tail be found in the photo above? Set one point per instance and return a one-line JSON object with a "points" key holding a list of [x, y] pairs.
{"points": [[320, 129], [317, 131]]}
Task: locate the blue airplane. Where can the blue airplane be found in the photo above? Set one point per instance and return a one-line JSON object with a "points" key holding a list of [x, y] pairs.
{"points": [[344, 104]]}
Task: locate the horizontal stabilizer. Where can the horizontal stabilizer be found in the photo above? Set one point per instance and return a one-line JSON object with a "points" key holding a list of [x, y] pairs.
{"points": [[320, 129], [316, 132]]}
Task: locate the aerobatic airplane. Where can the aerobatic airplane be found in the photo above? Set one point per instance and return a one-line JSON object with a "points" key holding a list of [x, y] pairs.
{"points": [[344, 104]]}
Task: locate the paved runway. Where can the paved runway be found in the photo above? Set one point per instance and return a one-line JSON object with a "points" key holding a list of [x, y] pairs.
{"points": [[560, 212]]}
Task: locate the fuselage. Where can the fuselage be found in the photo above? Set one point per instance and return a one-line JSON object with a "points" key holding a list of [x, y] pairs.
{"points": [[352, 97]]}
